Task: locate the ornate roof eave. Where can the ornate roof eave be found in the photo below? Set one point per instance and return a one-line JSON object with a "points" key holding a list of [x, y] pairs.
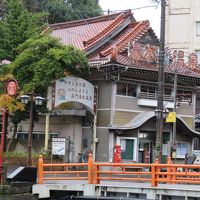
{"points": [[115, 69], [110, 66], [143, 117]]}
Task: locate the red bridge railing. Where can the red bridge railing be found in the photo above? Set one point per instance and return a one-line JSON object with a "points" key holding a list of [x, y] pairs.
{"points": [[95, 172]]}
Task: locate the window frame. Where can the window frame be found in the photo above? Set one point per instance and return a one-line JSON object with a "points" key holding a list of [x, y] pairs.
{"points": [[127, 89], [184, 96], [197, 28], [181, 155], [197, 52]]}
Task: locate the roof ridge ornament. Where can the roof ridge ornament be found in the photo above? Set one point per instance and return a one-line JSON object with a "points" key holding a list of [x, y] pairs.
{"points": [[114, 53]]}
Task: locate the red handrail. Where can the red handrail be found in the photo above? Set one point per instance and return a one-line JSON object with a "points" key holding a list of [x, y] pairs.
{"points": [[94, 172]]}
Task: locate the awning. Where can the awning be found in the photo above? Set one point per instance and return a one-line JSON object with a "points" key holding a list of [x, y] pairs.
{"points": [[143, 117]]}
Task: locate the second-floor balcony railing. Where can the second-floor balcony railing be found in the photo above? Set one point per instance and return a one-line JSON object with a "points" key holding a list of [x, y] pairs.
{"points": [[180, 98], [147, 95]]}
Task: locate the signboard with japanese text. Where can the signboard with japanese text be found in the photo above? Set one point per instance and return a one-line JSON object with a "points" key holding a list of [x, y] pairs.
{"points": [[58, 146], [11, 87], [73, 89], [171, 117]]}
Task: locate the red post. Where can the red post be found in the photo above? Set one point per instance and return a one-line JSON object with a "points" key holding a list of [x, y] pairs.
{"points": [[169, 170], [153, 176], [40, 170], [90, 169], [2, 141], [95, 176], [174, 175], [154, 170]]}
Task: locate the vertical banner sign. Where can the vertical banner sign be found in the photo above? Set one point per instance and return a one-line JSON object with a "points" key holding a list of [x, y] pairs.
{"points": [[95, 98], [73, 89]]}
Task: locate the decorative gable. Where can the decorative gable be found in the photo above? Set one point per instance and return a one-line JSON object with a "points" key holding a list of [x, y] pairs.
{"points": [[149, 38]]}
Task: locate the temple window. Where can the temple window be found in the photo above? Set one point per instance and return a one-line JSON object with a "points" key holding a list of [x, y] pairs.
{"points": [[196, 144], [184, 96], [127, 89], [198, 28], [148, 89]]}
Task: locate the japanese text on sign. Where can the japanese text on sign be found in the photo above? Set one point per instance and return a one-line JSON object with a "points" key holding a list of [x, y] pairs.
{"points": [[74, 89], [58, 146]]}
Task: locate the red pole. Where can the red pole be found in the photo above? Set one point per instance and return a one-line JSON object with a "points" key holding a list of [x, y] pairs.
{"points": [[2, 141]]}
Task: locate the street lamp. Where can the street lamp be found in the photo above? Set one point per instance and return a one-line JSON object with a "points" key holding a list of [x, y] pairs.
{"points": [[38, 101], [161, 113]]}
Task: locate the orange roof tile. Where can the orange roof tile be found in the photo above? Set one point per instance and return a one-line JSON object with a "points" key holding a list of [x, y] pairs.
{"points": [[75, 32], [85, 34], [115, 23], [134, 32]]}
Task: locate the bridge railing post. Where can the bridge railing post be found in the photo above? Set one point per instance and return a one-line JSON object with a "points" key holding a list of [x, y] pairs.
{"points": [[169, 170], [90, 169], [95, 172], [40, 170], [174, 174], [154, 169]]}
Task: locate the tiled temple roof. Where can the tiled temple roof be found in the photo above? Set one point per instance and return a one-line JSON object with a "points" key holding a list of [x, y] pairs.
{"points": [[108, 43]]}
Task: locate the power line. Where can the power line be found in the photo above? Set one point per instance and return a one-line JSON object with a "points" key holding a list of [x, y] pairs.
{"points": [[138, 8]]}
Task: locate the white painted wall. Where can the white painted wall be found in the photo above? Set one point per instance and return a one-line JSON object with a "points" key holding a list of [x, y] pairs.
{"points": [[181, 17], [66, 126]]}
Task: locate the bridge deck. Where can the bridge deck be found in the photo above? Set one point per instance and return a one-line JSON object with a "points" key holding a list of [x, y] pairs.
{"points": [[105, 188]]}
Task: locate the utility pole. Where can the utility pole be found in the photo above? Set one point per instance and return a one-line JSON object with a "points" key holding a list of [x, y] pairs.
{"points": [[160, 107]]}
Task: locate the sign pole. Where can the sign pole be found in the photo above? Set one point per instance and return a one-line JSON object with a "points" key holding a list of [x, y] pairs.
{"points": [[95, 123], [46, 132], [11, 90], [94, 136]]}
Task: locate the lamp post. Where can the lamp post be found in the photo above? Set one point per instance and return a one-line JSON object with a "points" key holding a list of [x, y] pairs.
{"points": [[38, 101], [160, 107]]}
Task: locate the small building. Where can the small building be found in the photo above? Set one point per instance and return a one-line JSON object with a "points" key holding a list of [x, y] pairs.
{"points": [[123, 58]]}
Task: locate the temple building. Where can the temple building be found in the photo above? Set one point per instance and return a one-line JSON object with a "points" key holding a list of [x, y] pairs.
{"points": [[123, 60]]}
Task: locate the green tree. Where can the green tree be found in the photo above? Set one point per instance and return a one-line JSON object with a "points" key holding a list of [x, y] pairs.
{"points": [[16, 26], [43, 59], [60, 10], [82, 9]]}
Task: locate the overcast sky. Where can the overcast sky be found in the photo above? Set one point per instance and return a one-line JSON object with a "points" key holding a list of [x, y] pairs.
{"points": [[140, 13]]}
